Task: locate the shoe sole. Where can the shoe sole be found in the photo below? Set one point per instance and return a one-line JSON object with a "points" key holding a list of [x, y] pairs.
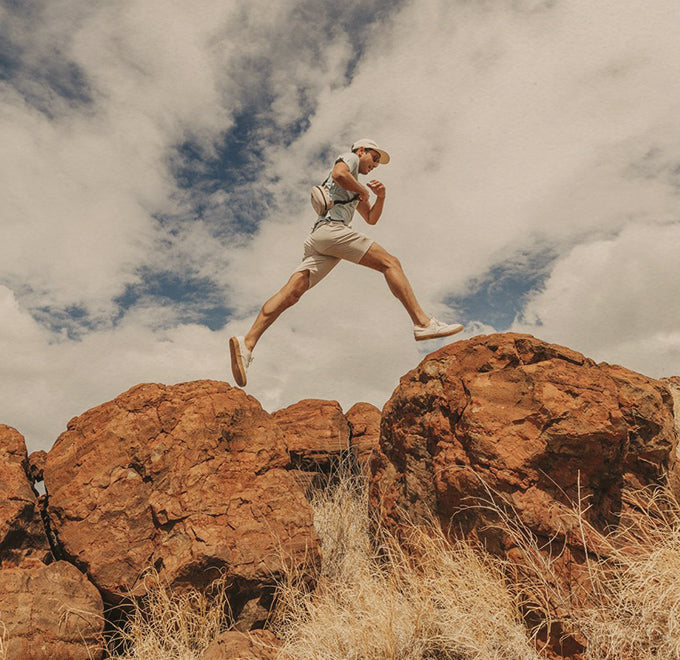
{"points": [[448, 333], [237, 367]]}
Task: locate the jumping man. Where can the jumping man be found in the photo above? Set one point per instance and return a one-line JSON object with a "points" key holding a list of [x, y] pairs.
{"points": [[332, 239]]}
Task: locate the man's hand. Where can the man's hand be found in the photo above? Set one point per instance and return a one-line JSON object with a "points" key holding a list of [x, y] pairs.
{"points": [[377, 187]]}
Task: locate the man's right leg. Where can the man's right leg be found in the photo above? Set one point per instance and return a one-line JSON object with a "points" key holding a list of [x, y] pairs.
{"points": [[424, 326]]}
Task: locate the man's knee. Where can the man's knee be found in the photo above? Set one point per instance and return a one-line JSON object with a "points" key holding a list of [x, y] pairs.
{"points": [[394, 262], [297, 285], [389, 262], [379, 259]]}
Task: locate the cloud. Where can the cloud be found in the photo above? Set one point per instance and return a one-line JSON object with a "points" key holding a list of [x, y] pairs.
{"points": [[614, 300], [157, 157], [47, 379], [521, 133]]}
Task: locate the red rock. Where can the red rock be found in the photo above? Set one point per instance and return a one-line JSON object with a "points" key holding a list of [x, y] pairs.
{"points": [[531, 424], [50, 612], [673, 385], [22, 534], [190, 479], [364, 421], [314, 430], [36, 465], [232, 645]]}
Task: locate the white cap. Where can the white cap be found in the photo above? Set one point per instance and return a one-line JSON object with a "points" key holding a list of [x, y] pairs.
{"points": [[370, 144]]}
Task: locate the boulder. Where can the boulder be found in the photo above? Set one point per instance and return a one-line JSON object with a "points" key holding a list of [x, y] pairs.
{"points": [[36, 465], [191, 480], [22, 534], [364, 422], [232, 645], [531, 426], [50, 612], [315, 432], [673, 384]]}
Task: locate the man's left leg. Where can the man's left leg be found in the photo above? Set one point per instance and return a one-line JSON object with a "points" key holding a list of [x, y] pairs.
{"points": [[241, 348], [425, 327], [291, 292]]}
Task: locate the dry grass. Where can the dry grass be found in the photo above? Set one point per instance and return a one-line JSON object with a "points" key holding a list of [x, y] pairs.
{"points": [[630, 608], [374, 601], [636, 610], [170, 625]]}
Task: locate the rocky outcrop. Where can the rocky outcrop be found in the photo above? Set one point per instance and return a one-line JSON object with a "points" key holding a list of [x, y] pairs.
{"points": [[46, 611], [673, 385], [197, 481], [22, 534], [190, 479], [315, 432], [232, 645], [532, 426], [36, 465], [364, 421], [50, 612]]}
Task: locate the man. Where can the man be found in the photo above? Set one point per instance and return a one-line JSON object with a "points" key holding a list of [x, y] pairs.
{"points": [[332, 239]]}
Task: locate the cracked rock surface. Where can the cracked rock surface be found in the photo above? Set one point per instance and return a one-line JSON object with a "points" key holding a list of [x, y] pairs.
{"points": [[530, 425], [22, 534], [191, 479]]}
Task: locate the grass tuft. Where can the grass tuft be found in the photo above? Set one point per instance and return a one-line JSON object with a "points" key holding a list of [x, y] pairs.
{"points": [[168, 624], [374, 600]]}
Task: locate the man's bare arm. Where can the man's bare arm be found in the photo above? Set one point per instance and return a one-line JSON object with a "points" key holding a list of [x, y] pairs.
{"points": [[372, 213], [343, 177]]}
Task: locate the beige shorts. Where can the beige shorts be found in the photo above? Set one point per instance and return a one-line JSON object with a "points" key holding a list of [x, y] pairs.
{"points": [[327, 244]]}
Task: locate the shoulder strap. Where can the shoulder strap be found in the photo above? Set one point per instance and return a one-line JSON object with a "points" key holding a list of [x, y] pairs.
{"points": [[338, 202]]}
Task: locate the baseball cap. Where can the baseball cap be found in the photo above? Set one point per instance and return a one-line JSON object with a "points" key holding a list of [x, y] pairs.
{"points": [[370, 144]]}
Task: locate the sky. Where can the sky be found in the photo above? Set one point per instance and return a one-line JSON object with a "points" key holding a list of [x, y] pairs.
{"points": [[157, 159]]}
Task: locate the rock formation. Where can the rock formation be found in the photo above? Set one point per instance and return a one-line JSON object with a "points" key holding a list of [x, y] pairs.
{"points": [[22, 534], [189, 479], [531, 426], [315, 432], [257, 645], [46, 611], [673, 385], [197, 481], [364, 421], [50, 612]]}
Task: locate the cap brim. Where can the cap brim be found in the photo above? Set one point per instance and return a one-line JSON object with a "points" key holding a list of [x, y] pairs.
{"points": [[384, 156]]}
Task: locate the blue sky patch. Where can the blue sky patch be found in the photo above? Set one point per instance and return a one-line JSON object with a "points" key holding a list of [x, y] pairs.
{"points": [[46, 80], [192, 299], [501, 293]]}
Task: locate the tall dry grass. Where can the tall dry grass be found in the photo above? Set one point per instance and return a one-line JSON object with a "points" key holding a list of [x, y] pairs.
{"points": [[169, 625], [629, 604], [375, 601], [635, 613]]}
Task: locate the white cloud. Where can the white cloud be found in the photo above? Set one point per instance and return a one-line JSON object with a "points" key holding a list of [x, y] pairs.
{"points": [[513, 126], [46, 380], [615, 300]]}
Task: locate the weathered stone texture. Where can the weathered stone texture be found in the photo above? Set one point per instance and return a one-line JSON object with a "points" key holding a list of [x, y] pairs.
{"points": [[50, 612], [189, 479], [531, 425], [22, 533]]}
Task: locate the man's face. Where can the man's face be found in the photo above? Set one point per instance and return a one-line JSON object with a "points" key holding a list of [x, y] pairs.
{"points": [[368, 160]]}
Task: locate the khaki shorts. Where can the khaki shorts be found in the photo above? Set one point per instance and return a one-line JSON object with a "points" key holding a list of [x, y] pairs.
{"points": [[327, 244]]}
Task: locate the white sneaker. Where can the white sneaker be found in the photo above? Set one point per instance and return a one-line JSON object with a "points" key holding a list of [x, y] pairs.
{"points": [[241, 358], [434, 329]]}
